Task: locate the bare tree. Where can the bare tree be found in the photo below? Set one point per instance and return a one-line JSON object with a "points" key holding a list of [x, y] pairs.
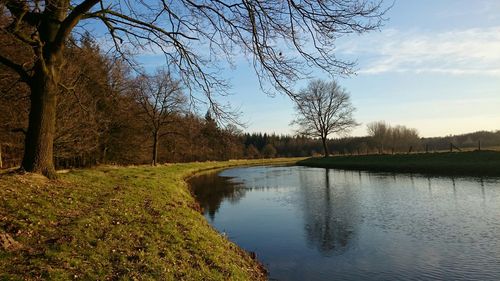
{"points": [[323, 108], [398, 138], [161, 98], [404, 138], [81, 118], [269, 151], [193, 34], [380, 132]]}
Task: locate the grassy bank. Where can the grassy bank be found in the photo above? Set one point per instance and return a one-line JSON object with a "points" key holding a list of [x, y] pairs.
{"points": [[478, 163], [115, 223]]}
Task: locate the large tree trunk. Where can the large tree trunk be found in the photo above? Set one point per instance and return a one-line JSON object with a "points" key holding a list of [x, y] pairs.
{"points": [[325, 147], [44, 84], [38, 153]]}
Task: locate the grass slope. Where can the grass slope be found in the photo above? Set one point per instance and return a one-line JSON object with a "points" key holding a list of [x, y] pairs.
{"points": [[486, 163], [115, 223]]}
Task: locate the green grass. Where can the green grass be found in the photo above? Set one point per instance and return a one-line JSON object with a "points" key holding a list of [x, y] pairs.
{"points": [[474, 163], [133, 223]]}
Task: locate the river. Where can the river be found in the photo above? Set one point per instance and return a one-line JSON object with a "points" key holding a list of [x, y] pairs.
{"points": [[324, 224]]}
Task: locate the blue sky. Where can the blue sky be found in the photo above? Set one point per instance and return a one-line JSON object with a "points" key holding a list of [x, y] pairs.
{"points": [[434, 66]]}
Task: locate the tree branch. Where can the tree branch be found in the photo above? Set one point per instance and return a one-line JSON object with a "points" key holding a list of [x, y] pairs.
{"points": [[16, 67], [72, 20]]}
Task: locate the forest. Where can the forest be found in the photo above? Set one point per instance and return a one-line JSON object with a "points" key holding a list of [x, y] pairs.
{"points": [[106, 114]]}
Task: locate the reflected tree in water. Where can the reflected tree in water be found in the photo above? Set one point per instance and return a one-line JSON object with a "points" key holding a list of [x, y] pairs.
{"points": [[329, 216], [210, 190]]}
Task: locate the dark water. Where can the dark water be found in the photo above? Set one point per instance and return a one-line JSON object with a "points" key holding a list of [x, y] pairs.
{"points": [[317, 224]]}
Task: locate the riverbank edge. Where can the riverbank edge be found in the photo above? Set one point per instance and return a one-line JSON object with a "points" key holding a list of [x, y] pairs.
{"points": [[472, 163], [117, 222]]}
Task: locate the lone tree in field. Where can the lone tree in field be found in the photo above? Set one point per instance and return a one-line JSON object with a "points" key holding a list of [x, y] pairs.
{"points": [[194, 35], [161, 99], [323, 108]]}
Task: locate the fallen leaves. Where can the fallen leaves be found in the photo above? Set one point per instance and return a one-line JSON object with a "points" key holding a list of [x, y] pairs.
{"points": [[8, 243]]}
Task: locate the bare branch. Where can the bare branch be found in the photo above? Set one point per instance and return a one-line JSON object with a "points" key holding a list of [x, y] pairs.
{"points": [[323, 109], [19, 69], [72, 20]]}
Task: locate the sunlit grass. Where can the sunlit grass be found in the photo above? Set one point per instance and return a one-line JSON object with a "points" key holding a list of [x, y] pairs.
{"points": [[458, 163], [115, 223]]}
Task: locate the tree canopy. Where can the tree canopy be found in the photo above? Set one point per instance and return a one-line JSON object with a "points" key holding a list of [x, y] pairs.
{"points": [[282, 39], [323, 108]]}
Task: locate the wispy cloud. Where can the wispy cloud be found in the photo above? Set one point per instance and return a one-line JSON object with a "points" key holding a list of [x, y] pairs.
{"points": [[464, 52], [486, 9]]}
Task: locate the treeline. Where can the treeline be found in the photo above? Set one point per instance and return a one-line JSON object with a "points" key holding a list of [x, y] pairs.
{"points": [[412, 143], [108, 114], [392, 139], [103, 115]]}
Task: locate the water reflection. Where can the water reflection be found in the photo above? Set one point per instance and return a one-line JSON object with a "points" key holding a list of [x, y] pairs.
{"points": [[210, 190], [327, 218], [319, 224]]}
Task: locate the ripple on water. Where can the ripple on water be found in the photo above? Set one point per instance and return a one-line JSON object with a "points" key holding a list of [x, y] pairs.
{"points": [[318, 224]]}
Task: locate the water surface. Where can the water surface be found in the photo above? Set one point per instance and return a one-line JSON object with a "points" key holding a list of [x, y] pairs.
{"points": [[319, 224]]}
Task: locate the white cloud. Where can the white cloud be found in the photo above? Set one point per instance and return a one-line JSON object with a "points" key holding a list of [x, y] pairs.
{"points": [[464, 52]]}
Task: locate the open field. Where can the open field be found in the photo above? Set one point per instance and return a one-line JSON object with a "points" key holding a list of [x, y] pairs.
{"points": [[115, 223], [462, 149], [480, 163]]}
